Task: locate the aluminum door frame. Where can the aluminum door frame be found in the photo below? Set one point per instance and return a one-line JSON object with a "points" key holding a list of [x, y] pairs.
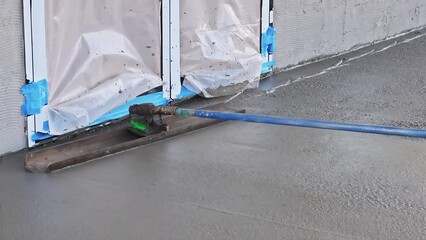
{"points": [[35, 54], [35, 51]]}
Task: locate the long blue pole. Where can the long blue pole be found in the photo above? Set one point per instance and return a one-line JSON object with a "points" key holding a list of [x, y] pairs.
{"points": [[363, 128]]}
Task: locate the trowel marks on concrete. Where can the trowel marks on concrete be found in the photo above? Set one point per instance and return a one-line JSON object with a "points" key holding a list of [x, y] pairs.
{"points": [[386, 88], [233, 181], [310, 69]]}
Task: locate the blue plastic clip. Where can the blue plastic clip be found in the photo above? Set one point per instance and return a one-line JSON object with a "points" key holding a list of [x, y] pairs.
{"points": [[36, 96]]}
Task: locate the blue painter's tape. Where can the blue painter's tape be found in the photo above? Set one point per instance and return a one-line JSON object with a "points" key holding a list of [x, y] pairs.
{"points": [[122, 111], [40, 136], [36, 96], [268, 66], [46, 126], [185, 93], [268, 41], [154, 98]]}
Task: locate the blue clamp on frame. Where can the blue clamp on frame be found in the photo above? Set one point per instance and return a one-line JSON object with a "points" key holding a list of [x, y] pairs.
{"points": [[36, 96]]}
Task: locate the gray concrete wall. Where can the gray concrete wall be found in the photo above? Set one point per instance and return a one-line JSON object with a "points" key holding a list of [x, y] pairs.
{"points": [[310, 29], [12, 76]]}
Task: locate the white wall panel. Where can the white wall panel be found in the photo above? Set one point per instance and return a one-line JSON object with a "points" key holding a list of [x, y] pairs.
{"points": [[12, 76]]}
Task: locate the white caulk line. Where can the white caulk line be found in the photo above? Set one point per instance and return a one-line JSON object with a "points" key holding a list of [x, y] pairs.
{"points": [[361, 56], [387, 47], [402, 42], [233, 97], [413, 38], [340, 64], [337, 65], [277, 87], [365, 45]]}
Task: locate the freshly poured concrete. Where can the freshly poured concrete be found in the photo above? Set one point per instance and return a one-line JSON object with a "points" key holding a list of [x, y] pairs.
{"points": [[251, 181], [386, 87], [234, 181]]}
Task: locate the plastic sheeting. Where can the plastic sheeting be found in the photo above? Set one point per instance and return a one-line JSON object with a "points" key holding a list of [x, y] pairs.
{"points": [[100, 55], [220, 45]]}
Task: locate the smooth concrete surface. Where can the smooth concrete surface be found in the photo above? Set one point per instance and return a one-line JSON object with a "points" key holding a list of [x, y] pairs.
{"points": [[313, 29], [12, 76], [233, 181], [385, 86], [252, 181]]}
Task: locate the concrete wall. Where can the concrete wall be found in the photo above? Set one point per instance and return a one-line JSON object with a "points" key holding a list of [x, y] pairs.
{"points": [[12, 76], [308, 29]]}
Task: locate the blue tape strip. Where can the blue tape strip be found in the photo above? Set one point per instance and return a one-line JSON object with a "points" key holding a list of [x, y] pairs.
{"points": [[40, 136], [36, 96], [185, 93], [268, 66], [268, 41], [154, 98], [123, 110], [46, 126]]}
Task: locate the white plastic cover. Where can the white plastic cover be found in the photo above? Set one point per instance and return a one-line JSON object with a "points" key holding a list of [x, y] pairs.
{"points": [[100, 54], [220, 42]]}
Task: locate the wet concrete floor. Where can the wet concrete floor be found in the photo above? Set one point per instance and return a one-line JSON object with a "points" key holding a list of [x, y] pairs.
{"points": [[251, 181]]}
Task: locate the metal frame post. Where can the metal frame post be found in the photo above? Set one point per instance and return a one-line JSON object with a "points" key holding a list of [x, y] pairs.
{"points": [[171, 48], [267, 22], [35, 56]]}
